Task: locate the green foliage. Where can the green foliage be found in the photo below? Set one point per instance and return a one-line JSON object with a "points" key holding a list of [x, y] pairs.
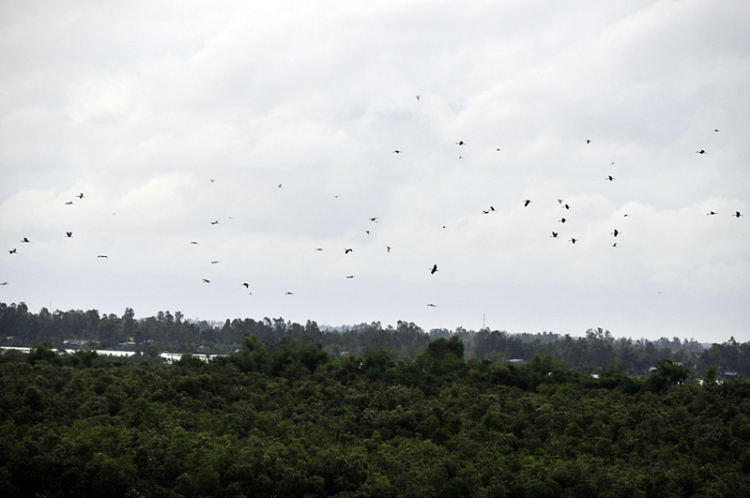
{"points": [[295, 422], [666, 375]]}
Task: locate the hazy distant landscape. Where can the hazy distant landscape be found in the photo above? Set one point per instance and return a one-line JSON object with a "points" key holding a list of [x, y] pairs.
{"points": [[168, 333]]}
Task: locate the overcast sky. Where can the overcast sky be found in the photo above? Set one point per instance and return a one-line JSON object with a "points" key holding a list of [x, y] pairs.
{"points": [[139, 105]]}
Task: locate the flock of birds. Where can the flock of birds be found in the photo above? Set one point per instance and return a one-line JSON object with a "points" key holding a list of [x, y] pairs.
{"points": [[433, 269]]}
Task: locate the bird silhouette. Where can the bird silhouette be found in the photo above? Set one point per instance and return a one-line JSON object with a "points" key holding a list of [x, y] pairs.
{"points": [[12, 251], [526, 202], [701, 152], [287, 293], [492, 208], [610, 178], [80, 196], [206, 281], [215, 222], [615, 233], [247, 286], [102, 256], [397, 151], [554, 235], [614, 245], [347, 251], [562, 220], [485, 212], [588, 141], [69, 234], [574, 240], [460, 142], [214, 262], [431, 305], [375, 219], [499, 150], [193, 242], [737, 214], [566, 206], [433, 270], [279, 185], [716, 130], [367, 232], [4, 283], [69, 203], [319, 249], [25, 240], [388, 248], [711, 213], [350, 276], [418, 97], [212, 180]]}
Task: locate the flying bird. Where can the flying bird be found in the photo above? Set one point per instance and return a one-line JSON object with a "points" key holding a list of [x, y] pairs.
{"points": [[614, 245], [367, 232], [485, 212], [69, 234], [69, 203], [737, 214], [279, 185], [193, 242], [375, 219], [574, 240], [212, 180], [319, 249], [418, 97], [701, 152], [716, 130], [431, 305], [214, 262], [610, 178], [566, 206], [206, 281], [615, 233], [102, 256], [554, 235], [215, 222], [247, 286], [526, 202], [588, 141], [25, 240], [499, 150], [12, 251], [80, 196], [347, 251], [433, 269], [492, 208], [711, 213], [287, 293], [562, 220], [388, 248], [460, 142], [397, 151], [4, 283], [350, 276]]}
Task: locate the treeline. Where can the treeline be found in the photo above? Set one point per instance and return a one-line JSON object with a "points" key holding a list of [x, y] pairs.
{"points": [[167, 332], [297, 422]]}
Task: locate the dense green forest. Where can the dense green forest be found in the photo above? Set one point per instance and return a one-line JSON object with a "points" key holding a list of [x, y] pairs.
{"points": [[594, 351], [296, 422]]}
